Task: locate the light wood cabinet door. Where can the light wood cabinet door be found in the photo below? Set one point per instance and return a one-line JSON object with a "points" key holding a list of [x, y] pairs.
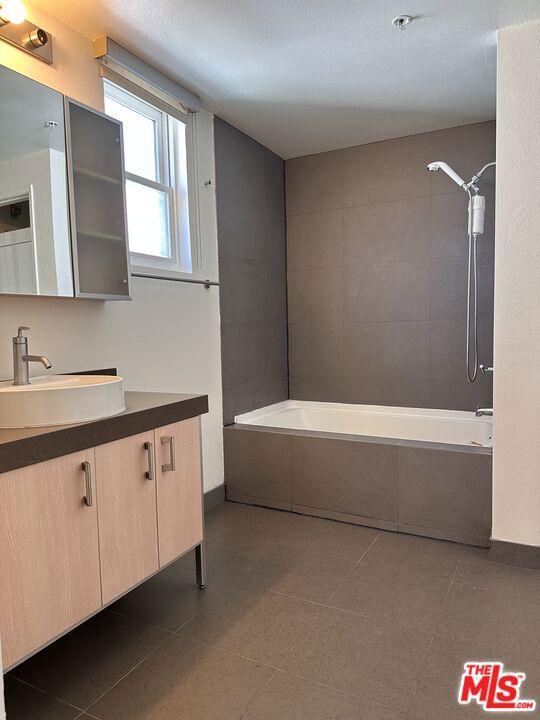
{"points": [[179, 489], [49, 553], [126, 491]]}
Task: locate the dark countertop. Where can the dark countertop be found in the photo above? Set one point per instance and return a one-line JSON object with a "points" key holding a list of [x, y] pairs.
{"points": [[20, 447]]}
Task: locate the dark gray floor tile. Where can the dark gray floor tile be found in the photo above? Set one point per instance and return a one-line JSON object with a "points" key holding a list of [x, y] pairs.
{"points": [[301, 573], [82, 665], [330, 537], [170, 598], [433, 558], [27, 703], [287, 697], [504, 619], [389, 593], [259, 626], [376, 660], [184, 680]]}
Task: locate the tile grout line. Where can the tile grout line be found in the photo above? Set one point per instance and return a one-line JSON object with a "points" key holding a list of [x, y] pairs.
{"points": [[154, 651], [353, 567], [433, 634]]}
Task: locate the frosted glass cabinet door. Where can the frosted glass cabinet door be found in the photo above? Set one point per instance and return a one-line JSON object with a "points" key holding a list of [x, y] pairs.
{"points": [[96, 169]]}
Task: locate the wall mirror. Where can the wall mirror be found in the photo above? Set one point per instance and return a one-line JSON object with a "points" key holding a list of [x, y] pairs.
{"points": [[35, 246]]}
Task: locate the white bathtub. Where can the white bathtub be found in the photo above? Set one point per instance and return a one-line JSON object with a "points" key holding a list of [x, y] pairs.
{"points": [[437, 426]]}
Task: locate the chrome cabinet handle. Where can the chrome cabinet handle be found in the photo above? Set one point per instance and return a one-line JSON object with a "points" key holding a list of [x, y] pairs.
{"points": [[170, 441], [89, 497], [150, 474]]}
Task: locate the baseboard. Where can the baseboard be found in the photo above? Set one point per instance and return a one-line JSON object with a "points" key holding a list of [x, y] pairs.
{"points": [[261, 502], [448, 535], [515, 554], [214, 497], [376, 523]]}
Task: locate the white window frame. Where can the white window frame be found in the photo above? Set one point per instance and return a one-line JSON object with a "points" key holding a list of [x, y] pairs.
{"points": [[182, 215]]}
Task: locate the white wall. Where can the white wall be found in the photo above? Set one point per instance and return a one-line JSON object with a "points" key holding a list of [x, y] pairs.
{"points": [[516, 460]]}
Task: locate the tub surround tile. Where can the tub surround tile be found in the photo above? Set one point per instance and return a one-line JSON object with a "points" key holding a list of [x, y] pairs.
{"points": [[403, 256], [258, 464], [389, 170], [314, 240], [345, 476], [387, 391], [387, 232], [446, 491], [244, 347], [389, 350], [396, 291], [322, 389], [250, 197], [314, 296], [316, 350], [313, 183]]}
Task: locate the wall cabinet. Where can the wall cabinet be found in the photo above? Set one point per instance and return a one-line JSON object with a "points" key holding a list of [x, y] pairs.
{"points": [[97, 199], [63, 229], [81, 530]]}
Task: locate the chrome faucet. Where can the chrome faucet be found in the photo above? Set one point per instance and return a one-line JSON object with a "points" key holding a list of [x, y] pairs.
{"points": [[21, 358], [480, 412]]}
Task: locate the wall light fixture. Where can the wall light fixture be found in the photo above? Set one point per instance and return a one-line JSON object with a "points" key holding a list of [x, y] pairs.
{"points": [[17, 30], [12, 11]]}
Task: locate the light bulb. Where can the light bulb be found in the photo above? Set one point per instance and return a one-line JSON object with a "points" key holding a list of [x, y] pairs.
{"points": [[12, 11]]}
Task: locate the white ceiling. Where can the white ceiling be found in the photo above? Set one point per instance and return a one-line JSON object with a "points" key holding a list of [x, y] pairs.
{"points": [[304, 76]]}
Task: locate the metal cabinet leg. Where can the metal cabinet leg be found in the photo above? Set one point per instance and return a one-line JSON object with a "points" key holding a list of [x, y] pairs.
{"points": [[200, 559]]}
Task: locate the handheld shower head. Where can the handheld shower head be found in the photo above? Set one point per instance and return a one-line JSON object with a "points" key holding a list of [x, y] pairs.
{"points": [[439, 165]]}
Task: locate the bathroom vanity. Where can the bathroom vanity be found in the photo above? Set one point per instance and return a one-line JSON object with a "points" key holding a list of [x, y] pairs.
{"points": [[88, 511]]}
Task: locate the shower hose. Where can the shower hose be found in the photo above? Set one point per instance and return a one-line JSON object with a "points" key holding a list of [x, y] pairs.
{"points": [[472, 301]]}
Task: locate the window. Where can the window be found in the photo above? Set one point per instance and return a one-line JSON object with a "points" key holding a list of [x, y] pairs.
{"points": [[156, 159]]}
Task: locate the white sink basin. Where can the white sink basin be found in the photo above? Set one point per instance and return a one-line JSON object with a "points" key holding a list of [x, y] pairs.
{"points": [[60, 400]]}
